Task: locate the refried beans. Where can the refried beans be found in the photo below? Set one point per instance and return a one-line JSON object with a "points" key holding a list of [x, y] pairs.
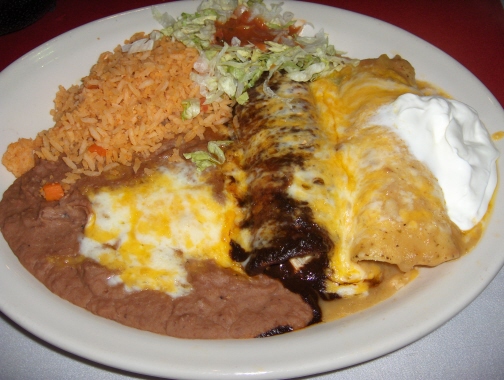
{"points": [[223, 304]]}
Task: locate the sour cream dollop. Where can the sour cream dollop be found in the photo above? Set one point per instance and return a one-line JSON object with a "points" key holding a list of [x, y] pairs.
{"points": [[450, 139]]}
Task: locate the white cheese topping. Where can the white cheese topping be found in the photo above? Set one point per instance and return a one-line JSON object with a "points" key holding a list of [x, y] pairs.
{"points": [[449, 138], [146, 231]]}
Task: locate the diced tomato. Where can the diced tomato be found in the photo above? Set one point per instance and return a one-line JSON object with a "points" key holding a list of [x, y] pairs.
{"points": [[203, 107], [250, 30]]}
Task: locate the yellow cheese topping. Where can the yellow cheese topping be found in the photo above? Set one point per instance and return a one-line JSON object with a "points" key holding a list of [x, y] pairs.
{"points": [[148, 230], [368, 190]]}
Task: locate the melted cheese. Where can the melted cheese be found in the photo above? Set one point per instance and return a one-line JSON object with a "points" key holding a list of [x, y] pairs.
{"points": [[374, 199], [333, 202], [147, 231], [361, 200]]}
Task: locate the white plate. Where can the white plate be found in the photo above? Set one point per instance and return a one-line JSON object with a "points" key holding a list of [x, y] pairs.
{"points": [[28, 87]]}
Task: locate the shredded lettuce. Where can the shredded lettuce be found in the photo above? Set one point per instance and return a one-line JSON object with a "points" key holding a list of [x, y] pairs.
{"points": [[232, 70], [143, 44], [193, 30], [213, 156], [190, 108]]}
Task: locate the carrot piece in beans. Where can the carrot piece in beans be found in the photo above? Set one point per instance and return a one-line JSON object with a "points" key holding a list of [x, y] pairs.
{"points": [[53, 191], [98, 149]]}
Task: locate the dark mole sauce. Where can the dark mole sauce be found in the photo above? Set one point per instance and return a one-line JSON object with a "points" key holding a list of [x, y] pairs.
{"points": [[250, 31], [283, 227]]}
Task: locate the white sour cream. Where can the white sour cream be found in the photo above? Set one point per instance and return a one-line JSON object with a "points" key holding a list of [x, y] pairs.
{"points": [[449, 138]]}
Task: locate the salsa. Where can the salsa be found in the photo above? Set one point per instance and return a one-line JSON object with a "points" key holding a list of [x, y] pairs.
{"points": [[251, 31]]}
